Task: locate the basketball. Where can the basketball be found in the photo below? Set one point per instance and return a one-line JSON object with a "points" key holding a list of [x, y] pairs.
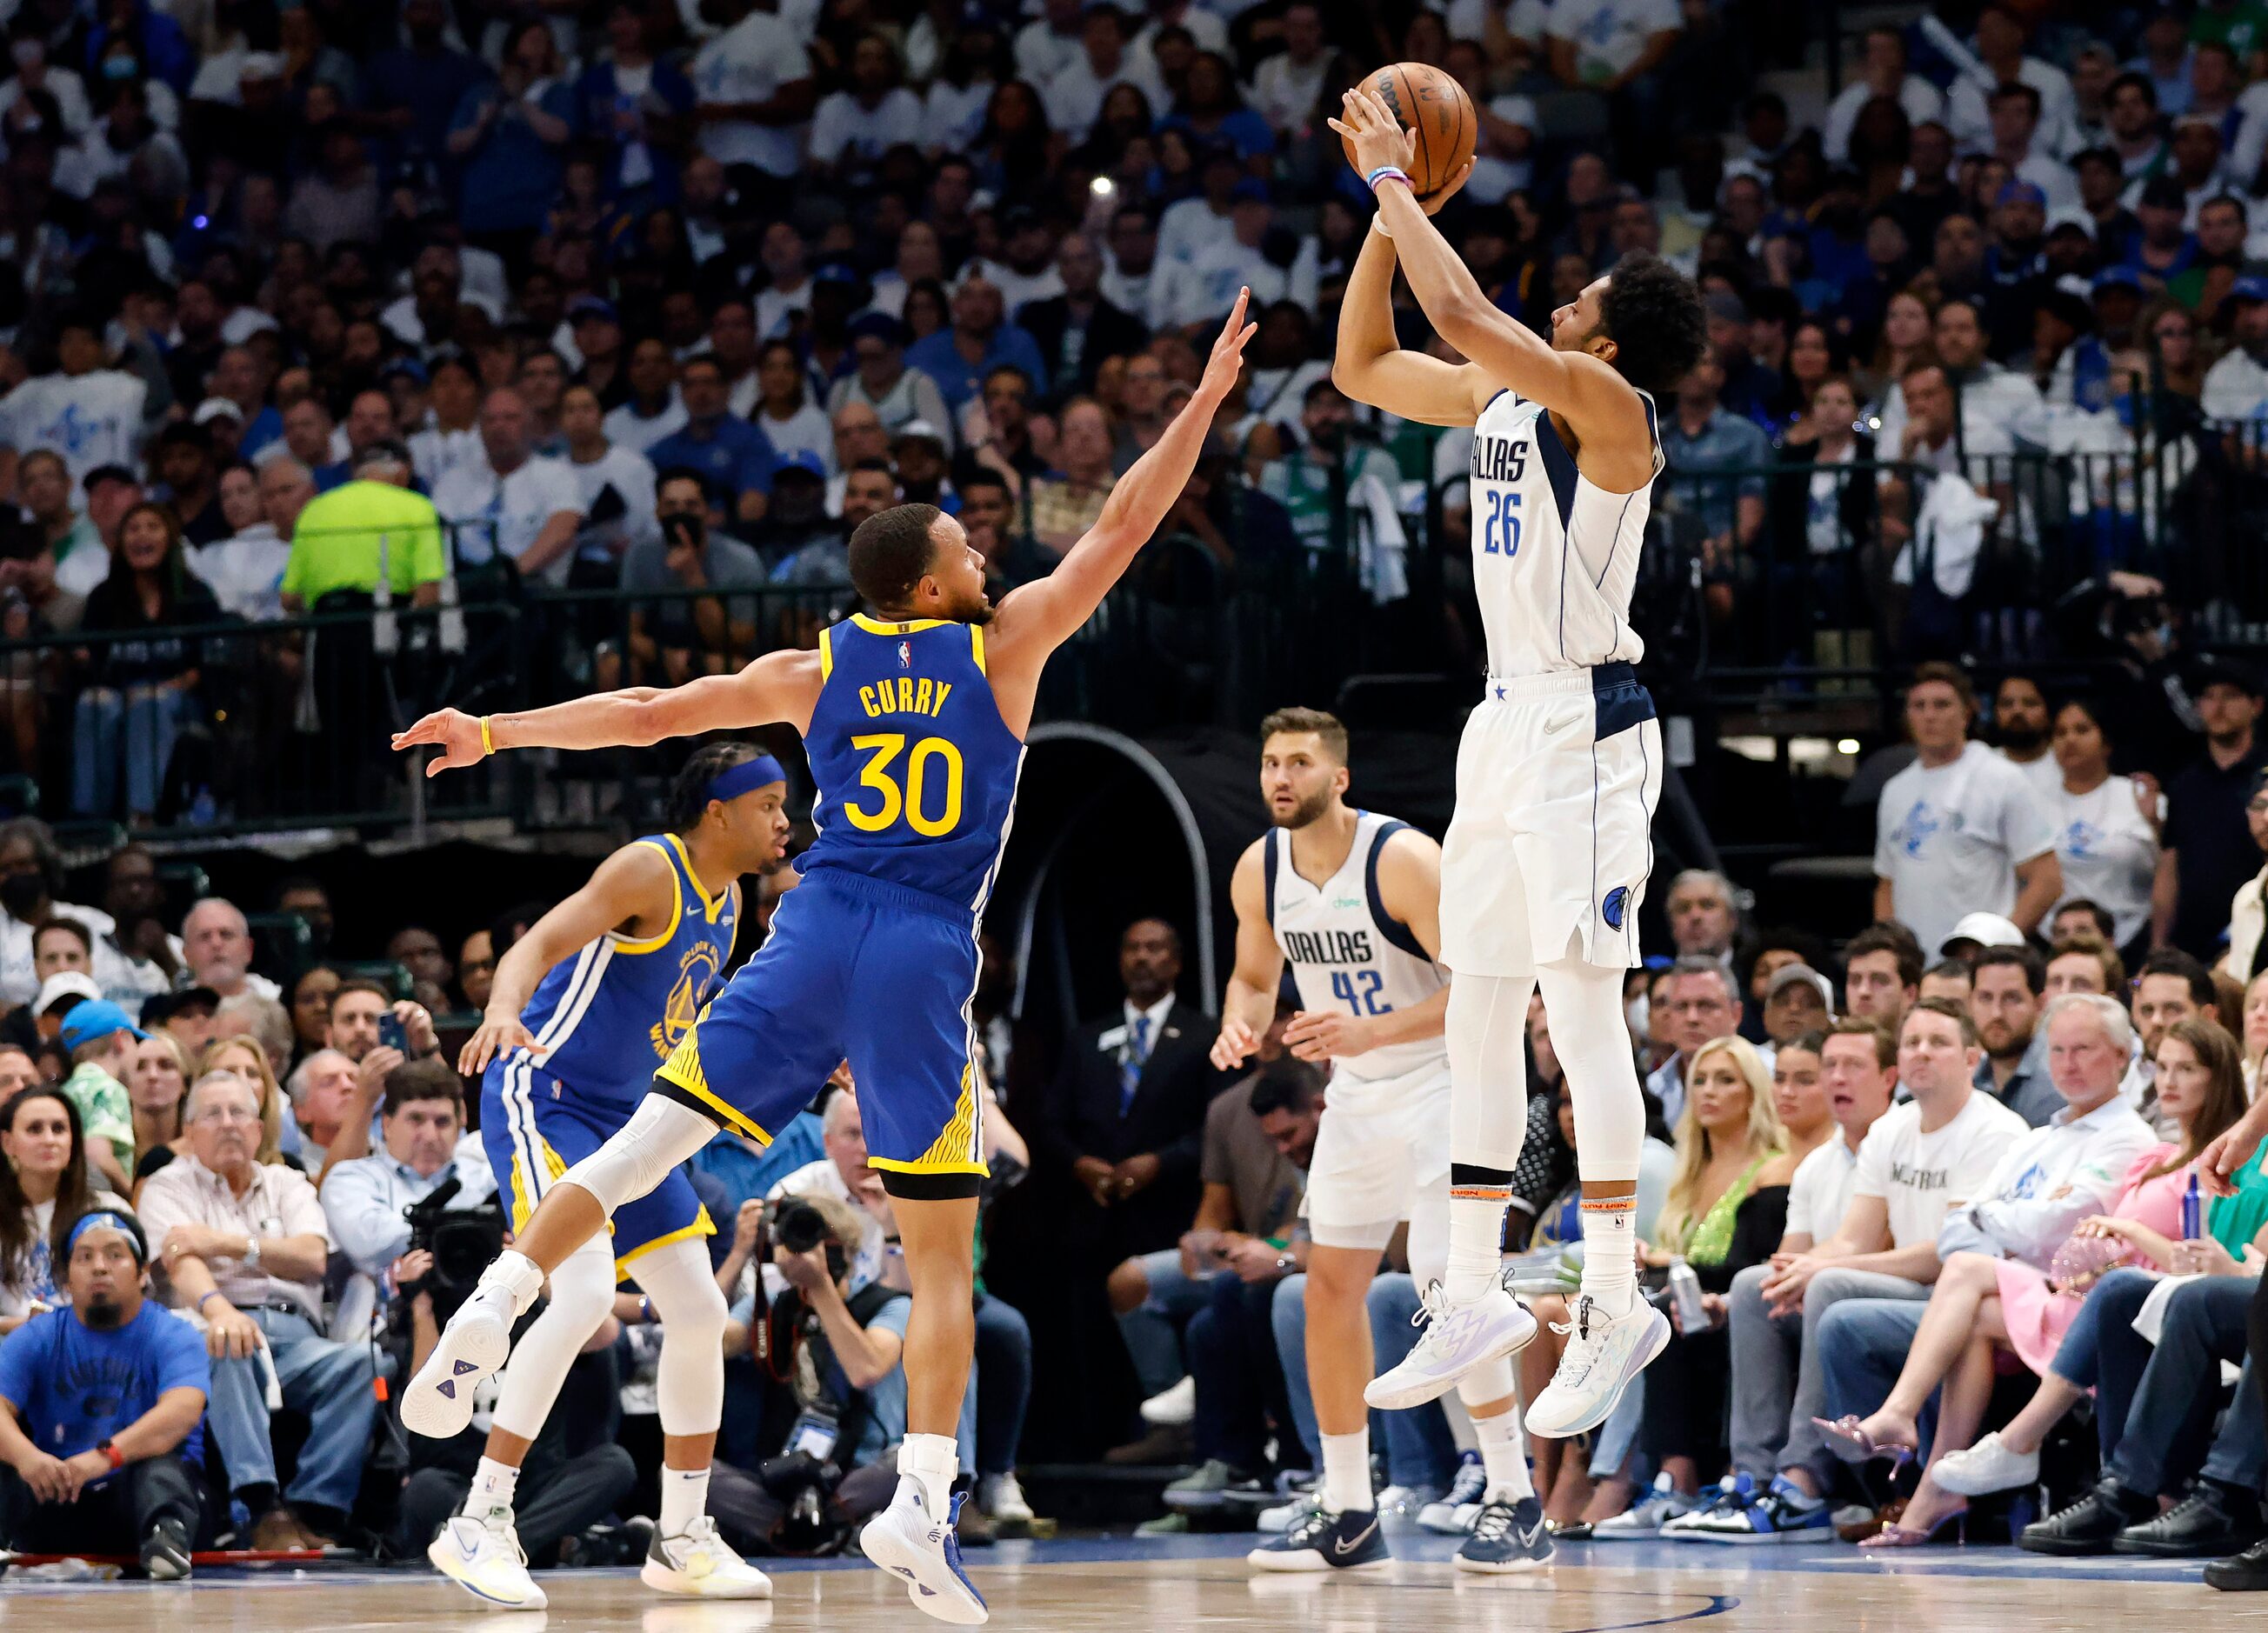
{"points": [[1433, 104]]}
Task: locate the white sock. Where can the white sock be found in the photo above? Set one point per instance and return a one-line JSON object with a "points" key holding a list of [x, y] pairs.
{"points": [[492, 1487], [684, 1500], [1346, 1471], [1478, 1199], [1610, 1253], [927, 1464], [516, 1277], [1504, 1453]]}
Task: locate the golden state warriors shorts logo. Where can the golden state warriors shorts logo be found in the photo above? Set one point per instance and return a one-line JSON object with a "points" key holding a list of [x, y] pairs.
{"points": [[696, 974]]}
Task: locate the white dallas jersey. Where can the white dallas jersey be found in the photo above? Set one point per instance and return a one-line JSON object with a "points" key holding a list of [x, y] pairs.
{"points": [[1555, 557], [1346, 953]]}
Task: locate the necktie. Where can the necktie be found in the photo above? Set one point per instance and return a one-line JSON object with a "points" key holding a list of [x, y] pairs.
{"points": [[1131, 1061]]}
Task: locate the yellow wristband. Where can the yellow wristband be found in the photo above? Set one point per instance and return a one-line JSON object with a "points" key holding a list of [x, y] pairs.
{"points": [[488, 739]]}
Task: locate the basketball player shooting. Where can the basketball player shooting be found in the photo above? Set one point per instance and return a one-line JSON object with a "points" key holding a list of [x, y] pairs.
{"points": [[1545, 862]]}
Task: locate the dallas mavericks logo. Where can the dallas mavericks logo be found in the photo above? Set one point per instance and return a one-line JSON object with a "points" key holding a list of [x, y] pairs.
{"points": [[696, 974], [905, 654], [1612, 909]]}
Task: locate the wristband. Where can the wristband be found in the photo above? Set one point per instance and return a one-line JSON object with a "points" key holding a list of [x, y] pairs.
{"points": [[214, 1293], [109, 1449], [488, 739], [645, 1311], [1388, 173]]}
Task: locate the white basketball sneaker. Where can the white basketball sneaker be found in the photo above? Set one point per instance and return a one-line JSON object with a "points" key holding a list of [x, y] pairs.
{"points": [[1603, 1354], [1457, 1339], [697, 1563], [905, 1542], [481, 1555], [477, 1340]]}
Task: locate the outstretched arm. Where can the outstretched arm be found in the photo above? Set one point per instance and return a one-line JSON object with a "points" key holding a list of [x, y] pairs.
{"points": [[1036, 620], [778, 686], [1605, 413], [1370, 364]]}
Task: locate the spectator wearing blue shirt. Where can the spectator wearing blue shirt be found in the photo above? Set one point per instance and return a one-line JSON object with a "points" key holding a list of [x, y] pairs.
{"points": [[511, 136], [2163, 248], [159, 46], [624, 98], [980, 340], [1210, 109], [412, 91], [104, 1399], [731, 454], [1715, 470]]}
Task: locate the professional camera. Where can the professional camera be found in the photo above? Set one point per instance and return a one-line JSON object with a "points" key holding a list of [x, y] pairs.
{"points": [[795, 1225], [462, 1241]]}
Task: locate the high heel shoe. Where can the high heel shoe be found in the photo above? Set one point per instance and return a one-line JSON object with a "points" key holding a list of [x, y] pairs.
{"points": [[1895, 1534], [1854, 1445]]}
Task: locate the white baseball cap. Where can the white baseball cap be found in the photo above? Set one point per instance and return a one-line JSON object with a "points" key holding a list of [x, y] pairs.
{"points": [[1986, 929], [69, 981]]}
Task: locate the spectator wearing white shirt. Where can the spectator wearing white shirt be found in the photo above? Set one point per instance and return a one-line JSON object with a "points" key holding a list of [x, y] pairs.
{"points": [[754, 90], [1200, 290], [614, 488], [1192, 224], [246, 571], [1882, 73], [34, 72], [920, 255], [1050, 43], [2020, 724], [88, 411], [2106, 827], [1287, 87], [2015, 118], [1960, 829], [783, 410], [953, 110], [787, 291], [653, 411], [1073, 95], [854, 127], [453, 435], [1026, 271], [1131, 263], [2001, 48], [1615, 48], [217, 946], [512, 504]]}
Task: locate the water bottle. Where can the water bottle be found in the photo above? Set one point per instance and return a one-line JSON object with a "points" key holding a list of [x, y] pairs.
{"points": [[2192, 1210], [1685, 1298]]}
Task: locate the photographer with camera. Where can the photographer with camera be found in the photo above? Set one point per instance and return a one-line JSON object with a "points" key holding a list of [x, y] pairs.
{"points": [[366, 1200], [827, 1349]]}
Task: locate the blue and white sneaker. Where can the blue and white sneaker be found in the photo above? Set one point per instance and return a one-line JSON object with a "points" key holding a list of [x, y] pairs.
{"points": [[1507, 1537], [1457, 1339], [1648, 1516], [1453, 1515], [475, 1343], [1326, 1542], [1743, 1516], [1603, 1353], [905, 1542]]}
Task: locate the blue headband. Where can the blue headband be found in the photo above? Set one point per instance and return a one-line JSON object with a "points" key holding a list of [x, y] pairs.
{"points": [[747, 777], [103, 1221]]}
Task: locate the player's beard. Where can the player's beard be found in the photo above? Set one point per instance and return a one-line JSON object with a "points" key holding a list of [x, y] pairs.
{"points": [[1306, 812]]}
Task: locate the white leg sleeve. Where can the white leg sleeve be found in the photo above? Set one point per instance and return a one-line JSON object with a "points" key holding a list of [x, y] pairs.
{"points": [[1487, 1035], [689, 1379], [660, 1135], [1592, 1039], [582, 1292]]}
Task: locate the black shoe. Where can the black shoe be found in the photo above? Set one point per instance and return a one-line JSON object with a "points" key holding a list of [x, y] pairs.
{"points": [[2200, 1526], [1325, 1541], [2247, 1573], [2090, 1525], [166, 1551]]}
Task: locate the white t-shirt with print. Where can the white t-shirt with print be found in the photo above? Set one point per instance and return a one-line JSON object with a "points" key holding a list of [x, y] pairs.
{"points": [[1610, 35], [92, 419], [2108, 852], [1948, 838], [1920, 1176], [749, 63], [511, 511]]}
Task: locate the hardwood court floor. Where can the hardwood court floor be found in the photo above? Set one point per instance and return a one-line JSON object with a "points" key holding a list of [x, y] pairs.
{"points": [[1133, 1586]]}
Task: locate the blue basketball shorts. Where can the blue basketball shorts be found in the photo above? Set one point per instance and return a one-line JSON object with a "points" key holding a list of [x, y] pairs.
{"points": [[864, 970], [535, 1128]]}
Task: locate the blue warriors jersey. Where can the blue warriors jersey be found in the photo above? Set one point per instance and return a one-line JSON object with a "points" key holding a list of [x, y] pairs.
{"points": [[915, 769], [611, 1014]]}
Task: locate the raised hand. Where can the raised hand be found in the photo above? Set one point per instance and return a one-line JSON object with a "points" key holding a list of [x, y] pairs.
{"points": [[1227, 356], [456, 733], [1377, 137]]}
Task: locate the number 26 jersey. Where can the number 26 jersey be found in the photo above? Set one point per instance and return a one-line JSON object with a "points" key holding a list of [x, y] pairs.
{"points": [[1555, 556]]}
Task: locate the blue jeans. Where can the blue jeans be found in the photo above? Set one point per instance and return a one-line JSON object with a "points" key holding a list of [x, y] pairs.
{"points": [[149, 719], [1004, 1357], [1420, 1449], [332, 1383], [885, 1407], [1241, 1385], [1862, 1346], [2165, 1430], [1152, 1329]]}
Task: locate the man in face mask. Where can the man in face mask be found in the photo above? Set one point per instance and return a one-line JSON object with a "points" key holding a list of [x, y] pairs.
{"points": [[104, 1402], [672, 637]]}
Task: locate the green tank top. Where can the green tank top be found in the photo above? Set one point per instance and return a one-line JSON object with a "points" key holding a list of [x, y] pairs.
{"points": [[1711, 1237]]}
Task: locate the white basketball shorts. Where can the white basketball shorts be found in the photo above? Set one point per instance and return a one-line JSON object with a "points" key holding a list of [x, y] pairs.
{"points": [[1547, 856], [1382, 1144]]}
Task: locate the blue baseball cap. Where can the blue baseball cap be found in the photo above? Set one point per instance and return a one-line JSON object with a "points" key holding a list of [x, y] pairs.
{"points": [[2251, 286], [2117, 278], [838, 272], [800, 460], [2020, 193], [593, 306], [1252, 189], [98, 1019]]}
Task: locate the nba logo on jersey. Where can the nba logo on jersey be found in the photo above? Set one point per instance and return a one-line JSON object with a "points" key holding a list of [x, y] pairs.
{"points": [[905, 654]]}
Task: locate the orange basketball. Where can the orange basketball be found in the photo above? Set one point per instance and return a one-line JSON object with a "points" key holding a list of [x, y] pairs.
{"points": [[1435, 106]]}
